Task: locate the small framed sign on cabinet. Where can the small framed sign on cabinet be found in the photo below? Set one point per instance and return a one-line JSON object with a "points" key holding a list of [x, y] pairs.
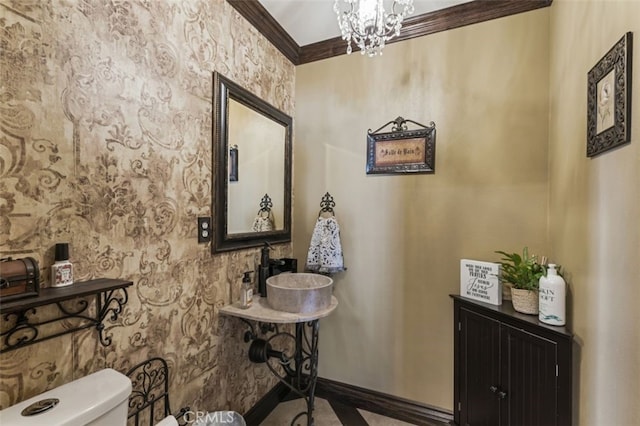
{"points": [[480, 281]]}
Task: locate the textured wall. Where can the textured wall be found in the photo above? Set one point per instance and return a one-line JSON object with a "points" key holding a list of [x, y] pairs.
{"points": [[486, 88], [105, 142], [594, 206]]}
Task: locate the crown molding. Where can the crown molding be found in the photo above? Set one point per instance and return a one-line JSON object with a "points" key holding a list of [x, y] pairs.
{"points": [[428, 23], [254, 12]]}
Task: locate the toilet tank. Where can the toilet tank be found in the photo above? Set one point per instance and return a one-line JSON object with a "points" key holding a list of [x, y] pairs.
{"points": [[99, 399]]}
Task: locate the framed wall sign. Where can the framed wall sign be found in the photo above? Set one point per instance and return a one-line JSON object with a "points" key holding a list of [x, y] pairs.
{"points": [[609, 99], [480, 281], [402, 150]]}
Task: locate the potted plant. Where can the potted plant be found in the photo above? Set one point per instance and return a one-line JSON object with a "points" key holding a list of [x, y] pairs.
{"points": [[523, 274]]}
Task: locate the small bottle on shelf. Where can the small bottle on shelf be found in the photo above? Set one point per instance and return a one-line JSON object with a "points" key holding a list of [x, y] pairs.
{"points": [[246, 291], [62, 269]]}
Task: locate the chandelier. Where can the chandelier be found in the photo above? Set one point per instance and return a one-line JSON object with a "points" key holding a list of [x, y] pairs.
{"points": [[367, 24]]}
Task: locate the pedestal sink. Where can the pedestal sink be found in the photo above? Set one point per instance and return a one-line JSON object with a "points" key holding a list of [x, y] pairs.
{"points": [[296, 298], [299, 293]]}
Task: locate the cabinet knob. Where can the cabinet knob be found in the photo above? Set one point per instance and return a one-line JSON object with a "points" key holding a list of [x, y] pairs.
{"points": [[502, 394], [493, 389]]}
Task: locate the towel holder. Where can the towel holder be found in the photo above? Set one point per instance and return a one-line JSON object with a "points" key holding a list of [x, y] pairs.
{"points": [[327, 204], [264, 219], [265, 204], [325, 250]]}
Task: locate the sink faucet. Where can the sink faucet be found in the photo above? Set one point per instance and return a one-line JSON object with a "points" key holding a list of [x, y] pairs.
{"points": [[269, 267], [263, 269]]}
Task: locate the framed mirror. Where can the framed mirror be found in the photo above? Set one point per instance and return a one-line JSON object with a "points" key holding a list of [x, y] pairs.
{"points": [[252, 175]]}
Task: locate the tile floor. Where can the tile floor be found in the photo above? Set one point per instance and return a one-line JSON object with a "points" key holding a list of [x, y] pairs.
{"points": [[325, 415]]}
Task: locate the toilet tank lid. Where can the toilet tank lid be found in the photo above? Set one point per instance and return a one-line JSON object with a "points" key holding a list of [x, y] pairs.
{"points": [[81, 401]]}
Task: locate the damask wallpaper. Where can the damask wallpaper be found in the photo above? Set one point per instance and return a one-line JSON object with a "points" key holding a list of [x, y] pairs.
{"points": [[105, 142]]}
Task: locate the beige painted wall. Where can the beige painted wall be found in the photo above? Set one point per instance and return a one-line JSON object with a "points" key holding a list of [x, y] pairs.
{"points": [[594, 212], [485, 86]]}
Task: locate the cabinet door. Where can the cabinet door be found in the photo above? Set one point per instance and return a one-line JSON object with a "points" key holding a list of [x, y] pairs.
{"points": [[528, 378], [479, 369]]}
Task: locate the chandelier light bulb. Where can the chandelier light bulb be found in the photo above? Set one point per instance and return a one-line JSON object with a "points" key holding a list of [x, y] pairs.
{"points": [[366, 23]]}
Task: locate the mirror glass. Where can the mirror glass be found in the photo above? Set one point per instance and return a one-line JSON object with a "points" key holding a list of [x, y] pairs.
{"points": [[252, 158], [259, 163]]}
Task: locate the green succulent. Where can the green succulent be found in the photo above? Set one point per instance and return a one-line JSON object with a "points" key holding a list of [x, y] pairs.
{"points": [[522, 272]]}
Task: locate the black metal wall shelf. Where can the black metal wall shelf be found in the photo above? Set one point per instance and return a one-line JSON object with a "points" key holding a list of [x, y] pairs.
{"points": [[21, 327]]}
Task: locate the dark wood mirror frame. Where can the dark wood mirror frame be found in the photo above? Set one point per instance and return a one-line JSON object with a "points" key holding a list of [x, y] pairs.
{"points": [[223, 90]]}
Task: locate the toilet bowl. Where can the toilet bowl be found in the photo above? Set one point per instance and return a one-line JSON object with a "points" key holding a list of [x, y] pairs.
{"points": [[99, 399]]}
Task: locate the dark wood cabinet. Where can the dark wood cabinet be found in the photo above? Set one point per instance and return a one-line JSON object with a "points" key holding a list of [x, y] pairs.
{"points": [[509, 369]]}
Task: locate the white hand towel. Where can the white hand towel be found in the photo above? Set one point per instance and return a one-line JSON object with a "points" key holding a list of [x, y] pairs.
{"points": [[168, 421], [263, 222], [325, 250]]}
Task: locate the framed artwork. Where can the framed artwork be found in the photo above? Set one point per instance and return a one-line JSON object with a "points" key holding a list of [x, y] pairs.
{"points": [[402, 151], [609, 99]]}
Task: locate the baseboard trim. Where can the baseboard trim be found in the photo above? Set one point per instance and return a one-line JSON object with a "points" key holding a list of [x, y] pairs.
{"points": [[266, 404], [366, 399], [381, 403]]}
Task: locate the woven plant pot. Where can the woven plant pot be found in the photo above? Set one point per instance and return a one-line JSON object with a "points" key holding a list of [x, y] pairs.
{"points": [[506, 291], [525, 301]]}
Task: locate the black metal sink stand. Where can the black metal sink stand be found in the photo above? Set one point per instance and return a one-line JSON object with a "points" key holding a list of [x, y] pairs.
{"points": [[298, 372]]}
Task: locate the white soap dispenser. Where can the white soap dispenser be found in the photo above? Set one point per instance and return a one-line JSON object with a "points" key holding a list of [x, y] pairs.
{"points": [[552, 298]]}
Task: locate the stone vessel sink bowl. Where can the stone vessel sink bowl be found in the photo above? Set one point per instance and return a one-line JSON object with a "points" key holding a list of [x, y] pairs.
{"points": [[299, 293]]}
